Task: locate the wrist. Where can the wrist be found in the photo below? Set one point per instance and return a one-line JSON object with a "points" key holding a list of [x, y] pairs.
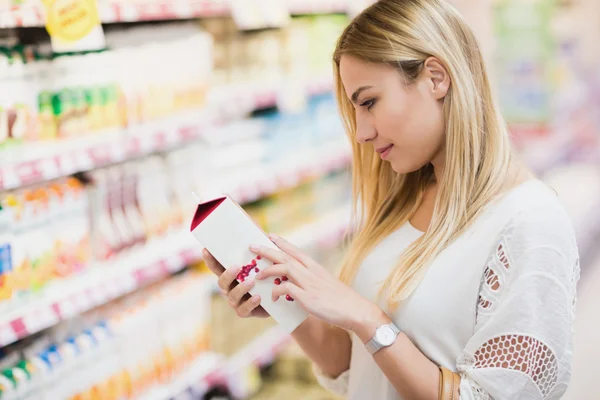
{"points": [[366, 323]]}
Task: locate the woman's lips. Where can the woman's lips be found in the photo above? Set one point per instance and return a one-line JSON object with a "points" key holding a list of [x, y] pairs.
{"points": [[384, 151]]}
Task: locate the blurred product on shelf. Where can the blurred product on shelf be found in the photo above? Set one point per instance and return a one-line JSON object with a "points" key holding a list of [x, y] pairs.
{"points": [[49, 96], [119, 351], [291, 376], [546, 83], [45, 235]]}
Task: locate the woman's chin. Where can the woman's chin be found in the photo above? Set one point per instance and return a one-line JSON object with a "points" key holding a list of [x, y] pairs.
{"points": [[401, 167]]}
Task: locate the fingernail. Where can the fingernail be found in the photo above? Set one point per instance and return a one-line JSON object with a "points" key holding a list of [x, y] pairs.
{"points": [[249, 282], [259, 276], [254, 247], [274, 237], [256, 299], [204, 253]]}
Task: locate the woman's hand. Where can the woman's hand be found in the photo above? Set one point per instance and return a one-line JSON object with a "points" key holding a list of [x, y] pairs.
{"points": [[313, 287], [237, 294]]}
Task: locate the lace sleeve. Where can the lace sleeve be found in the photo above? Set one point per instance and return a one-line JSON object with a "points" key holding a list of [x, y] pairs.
{"points": [[338, 386], [522, 346]]}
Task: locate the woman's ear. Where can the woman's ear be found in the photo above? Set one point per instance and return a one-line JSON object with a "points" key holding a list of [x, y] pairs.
{"points": [[439, 77]]}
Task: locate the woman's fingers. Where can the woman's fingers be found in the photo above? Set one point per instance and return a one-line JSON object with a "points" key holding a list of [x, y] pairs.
{"points": [[212, 264], [287, 289], [227, 279], [273, 255], [292, 250], [293, 271], [236, 295], [245, 309]]}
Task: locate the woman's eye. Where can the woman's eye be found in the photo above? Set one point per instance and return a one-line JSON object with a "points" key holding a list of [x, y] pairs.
{"points": [[368, 104]]}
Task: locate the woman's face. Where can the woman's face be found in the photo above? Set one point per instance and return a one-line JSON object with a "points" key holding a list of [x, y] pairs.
{"points": [[403, 123]]}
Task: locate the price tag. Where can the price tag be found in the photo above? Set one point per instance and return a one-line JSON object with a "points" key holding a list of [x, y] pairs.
{"points": [[74, 24]]}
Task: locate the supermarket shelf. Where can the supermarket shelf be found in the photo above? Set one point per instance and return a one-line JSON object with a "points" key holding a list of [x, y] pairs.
{"points": [[289, 174], [261, 352], [323, 233], [33, 15], [102, 284], [53, 160], [194, 383], [298, 7], [34, 164], [143, 266]]}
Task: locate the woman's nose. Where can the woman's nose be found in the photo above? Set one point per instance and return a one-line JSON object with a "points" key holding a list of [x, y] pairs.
{"points": [[365, 131]]}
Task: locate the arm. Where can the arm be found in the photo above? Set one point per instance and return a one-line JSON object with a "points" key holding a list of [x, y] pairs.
{"points": [[327, 346], [521, 348], [522, 344], [413, 375]]}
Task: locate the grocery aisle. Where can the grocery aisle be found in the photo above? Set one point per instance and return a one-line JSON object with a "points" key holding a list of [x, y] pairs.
{"points": [[107, 144]]}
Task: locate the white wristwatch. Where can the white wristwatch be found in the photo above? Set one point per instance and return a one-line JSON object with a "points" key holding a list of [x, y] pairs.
{"points": [[385, 336]]}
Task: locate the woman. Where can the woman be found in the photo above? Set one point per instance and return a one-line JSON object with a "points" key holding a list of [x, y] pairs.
{"points": [[462, 260]]}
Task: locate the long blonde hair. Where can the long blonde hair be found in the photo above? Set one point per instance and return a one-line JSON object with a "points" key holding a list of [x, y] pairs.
{"points": [[404, 33]]}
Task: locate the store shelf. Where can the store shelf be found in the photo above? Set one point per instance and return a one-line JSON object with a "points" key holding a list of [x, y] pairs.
{"points": [[102, 284], [33, 15], [34, 164], [291, 172], [193, 383], [155, 261], [298, 7], [323, 233], [31, 164], [261, 352]]}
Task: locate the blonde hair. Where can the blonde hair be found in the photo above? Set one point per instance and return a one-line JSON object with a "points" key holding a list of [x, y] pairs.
{"points": [[404, 34]]}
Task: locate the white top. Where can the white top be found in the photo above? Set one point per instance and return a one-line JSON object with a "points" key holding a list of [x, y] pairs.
{"points": [[497, 305]]}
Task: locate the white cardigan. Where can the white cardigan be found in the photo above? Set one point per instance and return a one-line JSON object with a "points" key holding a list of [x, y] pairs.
{"points": [[497, 305]]}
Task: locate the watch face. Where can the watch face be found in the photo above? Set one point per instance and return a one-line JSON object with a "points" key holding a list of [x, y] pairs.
{"points": [[385, 336]]}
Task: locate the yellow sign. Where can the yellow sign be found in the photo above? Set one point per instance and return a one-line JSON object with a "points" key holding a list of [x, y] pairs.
{"points": [[71, 20]]}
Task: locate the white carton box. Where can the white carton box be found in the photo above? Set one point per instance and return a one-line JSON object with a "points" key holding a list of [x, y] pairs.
{"points": [[227, 232]]}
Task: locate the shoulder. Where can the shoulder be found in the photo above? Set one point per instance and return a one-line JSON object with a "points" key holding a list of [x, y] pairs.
{"points": [[537, 231]]}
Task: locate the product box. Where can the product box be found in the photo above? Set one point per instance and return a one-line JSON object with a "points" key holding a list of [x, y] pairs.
{"points": [[227, 232]]}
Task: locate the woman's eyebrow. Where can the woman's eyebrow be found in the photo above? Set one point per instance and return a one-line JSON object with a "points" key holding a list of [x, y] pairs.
{"points": [[358, 91]]}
